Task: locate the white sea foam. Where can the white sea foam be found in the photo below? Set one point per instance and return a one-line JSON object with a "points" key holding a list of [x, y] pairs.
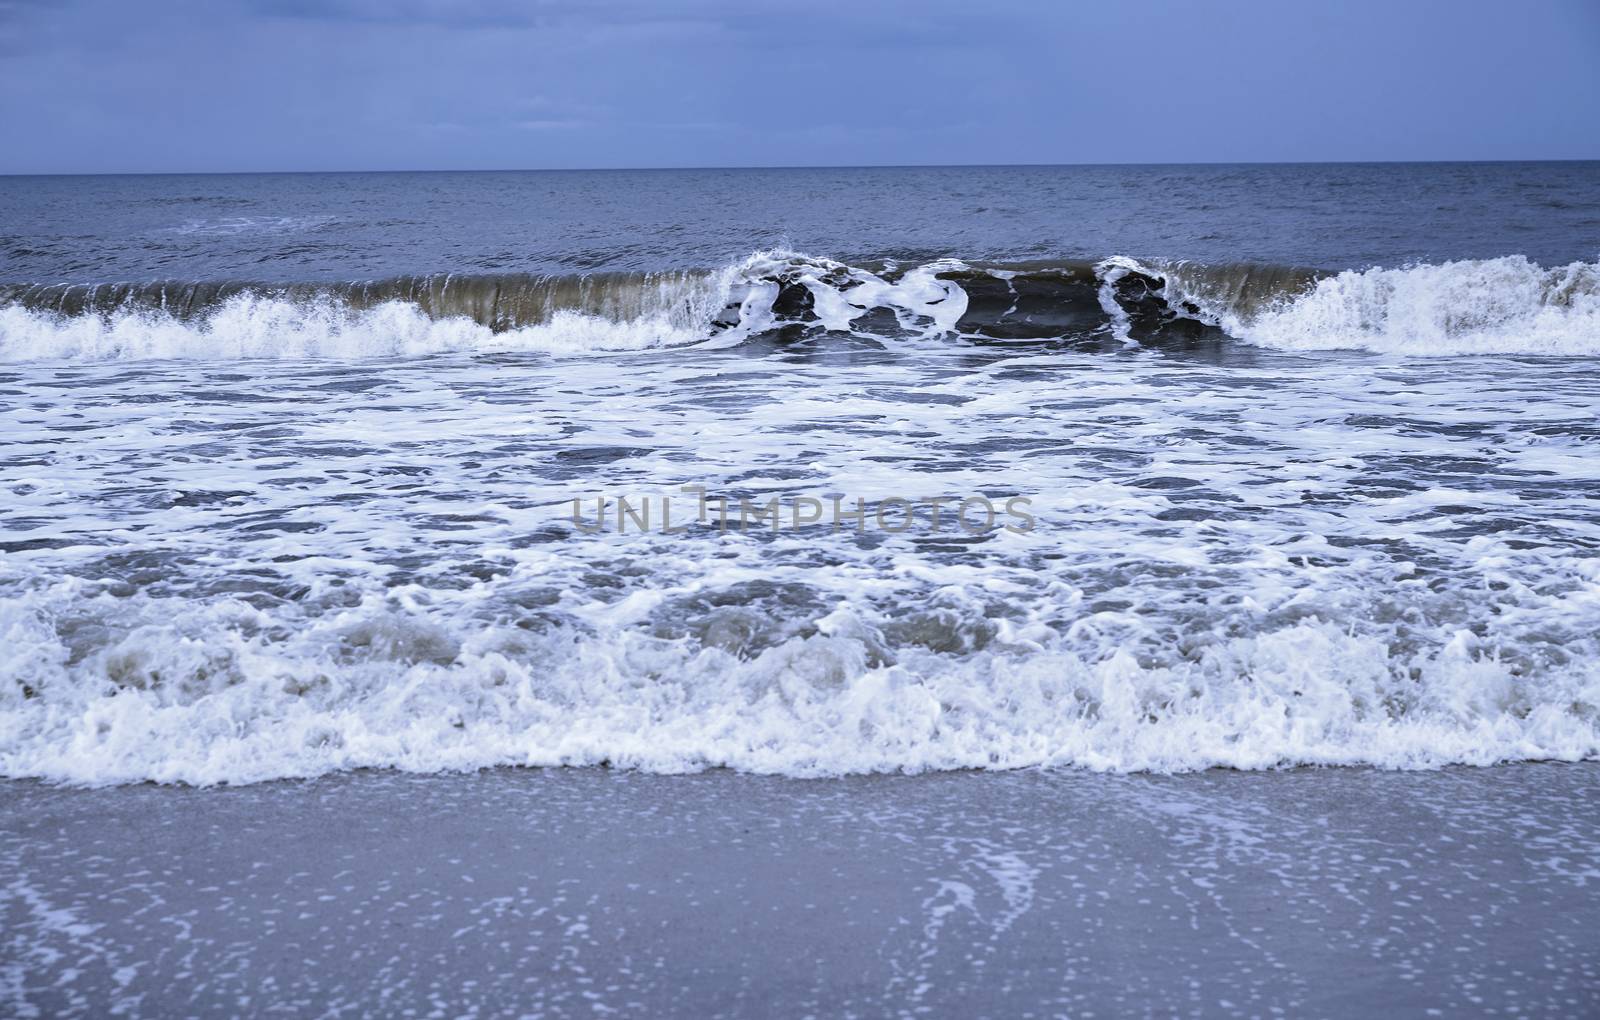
{"points": [[1492, 306], [922, 302], [1111, 272], [236, 226], [255, 326], [215, 576], [246, 326], [230, 693]]}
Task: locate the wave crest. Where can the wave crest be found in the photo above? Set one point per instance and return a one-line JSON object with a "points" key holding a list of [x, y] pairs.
{"points": [[1507, 305], [1491, 306]]}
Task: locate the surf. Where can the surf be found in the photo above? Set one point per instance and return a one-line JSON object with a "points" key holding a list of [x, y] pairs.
{"points": [[1507, 305]]}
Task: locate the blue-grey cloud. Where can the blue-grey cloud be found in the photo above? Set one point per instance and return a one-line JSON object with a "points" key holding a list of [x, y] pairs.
{"points": [[286, 84]]}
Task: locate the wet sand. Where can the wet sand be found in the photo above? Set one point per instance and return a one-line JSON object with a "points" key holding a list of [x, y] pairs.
{"points": [[1340, 892]]}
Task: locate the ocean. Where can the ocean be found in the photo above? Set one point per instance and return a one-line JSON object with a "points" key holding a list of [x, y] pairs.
{"points": [[291, 464], [851, 491]]}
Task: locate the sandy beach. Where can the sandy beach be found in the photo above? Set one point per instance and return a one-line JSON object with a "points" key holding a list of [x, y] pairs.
{"points": [[591, 892]]}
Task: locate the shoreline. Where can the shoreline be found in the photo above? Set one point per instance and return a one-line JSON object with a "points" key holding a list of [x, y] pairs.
{"points": [[376, 772]]}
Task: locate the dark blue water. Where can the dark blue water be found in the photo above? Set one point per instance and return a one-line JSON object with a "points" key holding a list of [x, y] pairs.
{"points": [[302, 227]]}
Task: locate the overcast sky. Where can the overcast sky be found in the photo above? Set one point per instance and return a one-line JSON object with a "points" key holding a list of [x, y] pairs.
{"points": [[176, 85]]}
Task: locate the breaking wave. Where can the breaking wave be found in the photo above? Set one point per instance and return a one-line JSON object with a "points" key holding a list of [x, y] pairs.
{"points": [[1507, 305], [228, 693]]}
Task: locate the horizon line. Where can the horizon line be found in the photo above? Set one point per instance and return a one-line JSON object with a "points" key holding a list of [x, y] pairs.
{"points": [[790, 166]]}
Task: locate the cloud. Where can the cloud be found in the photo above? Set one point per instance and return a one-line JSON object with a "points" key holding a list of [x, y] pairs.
{"points": [[17, 17], [498, 13], [550, 125], [355, 84], [464, 14]]}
